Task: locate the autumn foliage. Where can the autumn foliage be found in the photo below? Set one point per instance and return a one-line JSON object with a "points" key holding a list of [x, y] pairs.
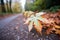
{"points": [[54, 22], [49, 21]]}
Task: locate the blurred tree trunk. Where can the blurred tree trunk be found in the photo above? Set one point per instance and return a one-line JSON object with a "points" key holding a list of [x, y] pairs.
{"points": [[3, 6], [7, 5], [10, 5]]}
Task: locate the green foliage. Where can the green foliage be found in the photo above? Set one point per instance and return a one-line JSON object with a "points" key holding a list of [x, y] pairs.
{"points": [[38, 2], [42, 5], [55, 8], [28, 6], [37, 5], [48, 4]]}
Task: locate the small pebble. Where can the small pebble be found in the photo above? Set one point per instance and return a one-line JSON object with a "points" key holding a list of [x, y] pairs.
{"points": [[38, 39]]}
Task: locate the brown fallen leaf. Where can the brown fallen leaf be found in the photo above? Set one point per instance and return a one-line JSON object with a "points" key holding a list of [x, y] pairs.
{"points": [[38, 28], [56, 26], [57, 31]]}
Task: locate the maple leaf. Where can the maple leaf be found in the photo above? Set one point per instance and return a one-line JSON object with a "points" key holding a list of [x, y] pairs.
{"points": [[35, 20]]}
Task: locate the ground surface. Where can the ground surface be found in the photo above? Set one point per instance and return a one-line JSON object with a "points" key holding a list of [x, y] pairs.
{"points": [[13, 28]]}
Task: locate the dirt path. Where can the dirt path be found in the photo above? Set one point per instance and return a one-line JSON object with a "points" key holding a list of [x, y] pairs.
{"points": [[13, 28]]}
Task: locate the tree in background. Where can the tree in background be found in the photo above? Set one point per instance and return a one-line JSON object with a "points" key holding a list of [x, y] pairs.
{"points": [[17, 7], [2, 6], [5, 6], [10, 2], [8, 5]]}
